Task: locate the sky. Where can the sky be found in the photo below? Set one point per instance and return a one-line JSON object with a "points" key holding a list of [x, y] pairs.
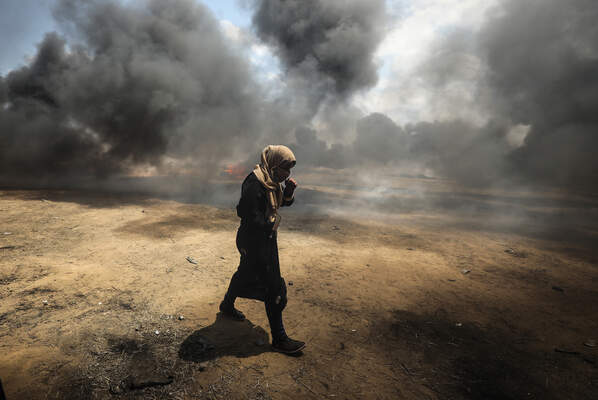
{"points": [[24, 22], [417, 24]]}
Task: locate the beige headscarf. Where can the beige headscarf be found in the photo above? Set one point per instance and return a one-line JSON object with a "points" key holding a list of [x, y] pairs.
{"points": [[273, 156]]}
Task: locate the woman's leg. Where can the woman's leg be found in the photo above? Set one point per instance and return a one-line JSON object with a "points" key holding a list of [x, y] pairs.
{"points": [[233, 289], [274, 313], [276, 301], [237, 281]]}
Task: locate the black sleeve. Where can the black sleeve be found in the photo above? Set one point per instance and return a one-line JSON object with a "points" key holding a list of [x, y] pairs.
{"points": [[253, 198]]}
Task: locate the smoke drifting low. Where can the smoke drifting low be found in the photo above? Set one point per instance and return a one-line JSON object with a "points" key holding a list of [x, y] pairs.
{"points": [[535, 81], [155, 85], [134, 85], [378, 140], [457, 150], [556, 87], [540, 71]]}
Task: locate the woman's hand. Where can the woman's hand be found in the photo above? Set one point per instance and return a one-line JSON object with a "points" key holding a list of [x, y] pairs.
{"points": [[289, 188]]}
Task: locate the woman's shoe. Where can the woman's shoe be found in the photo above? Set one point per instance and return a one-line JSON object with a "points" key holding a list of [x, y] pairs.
{"points": [[288, 345], [231, 312]]}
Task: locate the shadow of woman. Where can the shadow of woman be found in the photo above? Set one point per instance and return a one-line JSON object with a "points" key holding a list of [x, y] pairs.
{"points": [[223, 338]]}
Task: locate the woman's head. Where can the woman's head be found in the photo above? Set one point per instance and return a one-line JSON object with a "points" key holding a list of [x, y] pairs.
{"points": [[278, 161]]}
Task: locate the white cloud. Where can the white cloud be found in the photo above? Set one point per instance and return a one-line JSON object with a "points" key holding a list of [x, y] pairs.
{"points": [[516, 136], [263, 61], [401, 92], [231, 31]]}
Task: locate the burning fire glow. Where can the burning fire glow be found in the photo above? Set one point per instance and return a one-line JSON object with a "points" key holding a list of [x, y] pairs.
{"points": [[237, 171]]}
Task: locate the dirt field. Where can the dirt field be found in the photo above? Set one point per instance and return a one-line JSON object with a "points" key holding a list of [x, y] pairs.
{"points": [[460, 296]]}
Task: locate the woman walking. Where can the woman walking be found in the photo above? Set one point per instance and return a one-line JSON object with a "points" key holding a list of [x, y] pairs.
{"points": [[258, 276]]}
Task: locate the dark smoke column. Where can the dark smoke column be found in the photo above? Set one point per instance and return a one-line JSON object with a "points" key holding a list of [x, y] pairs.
{"points": [[128, 85], [539, 70], [329, 43]]}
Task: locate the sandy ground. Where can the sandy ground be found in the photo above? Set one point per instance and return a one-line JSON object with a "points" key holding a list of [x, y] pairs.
{"points": [[423, 304]]}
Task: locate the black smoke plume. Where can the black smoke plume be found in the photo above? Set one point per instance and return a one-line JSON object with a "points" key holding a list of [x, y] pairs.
{"points": [[328, 46], [129, 86], [543, 58], [316, 152], [155, 85], [379, 139], [539, 69]]}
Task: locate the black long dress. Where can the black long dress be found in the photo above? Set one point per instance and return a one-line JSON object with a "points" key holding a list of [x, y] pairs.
{"points": [[258, 276]]}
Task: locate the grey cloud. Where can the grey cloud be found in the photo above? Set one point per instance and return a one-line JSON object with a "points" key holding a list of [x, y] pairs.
{"points": [[543, 62], [532, 63], [128, 86], [3, 94], [379, 139], [156, 84], [310, 150], [461, 151], [329, 45], [457, 150], [138, 84]]}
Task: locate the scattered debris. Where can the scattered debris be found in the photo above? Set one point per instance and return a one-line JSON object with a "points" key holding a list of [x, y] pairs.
{"points": [[336, 228], [590, 343], [222, 258], [100, 303], [584, 357], [564, 351], [318, 395], [465, 271], [452, 280], [558, 289], [8, 233], [458, 324], [353, 330], [45, 302], [290, 283], [515, 253], [8, 247], [203, 366], [157, 332], [409, 248], [45, 201], [181, 317], [407, 370], [116, 389], [137, 384], [7, 280], [191, 260], [367, 265]]}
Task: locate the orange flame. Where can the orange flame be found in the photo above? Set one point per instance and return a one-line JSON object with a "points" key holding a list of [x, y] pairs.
{"points": [[237, 171]]}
